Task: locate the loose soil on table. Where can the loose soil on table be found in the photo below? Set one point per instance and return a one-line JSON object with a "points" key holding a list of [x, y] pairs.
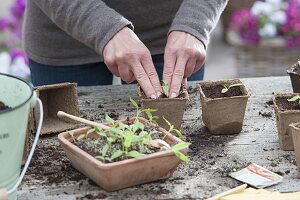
{"points": [[3, 106], [284, 104], [214, 91]]}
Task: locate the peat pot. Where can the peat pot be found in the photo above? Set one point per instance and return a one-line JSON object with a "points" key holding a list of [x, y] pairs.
{"points": [[20, 97], [223, 114], [295, 127], [294, 73], [284, 118], [171, 108], [125, 173]]}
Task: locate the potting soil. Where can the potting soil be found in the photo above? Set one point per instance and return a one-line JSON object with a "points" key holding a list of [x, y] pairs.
{"points": [[284, 104], [214, 91]]}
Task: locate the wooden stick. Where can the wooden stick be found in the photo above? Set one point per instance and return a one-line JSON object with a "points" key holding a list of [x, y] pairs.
{"points": [[3, 194], [62, 114], [228, 192]]}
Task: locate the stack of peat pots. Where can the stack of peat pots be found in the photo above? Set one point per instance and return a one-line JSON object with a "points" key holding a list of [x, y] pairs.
{"points": [[287, 110]]}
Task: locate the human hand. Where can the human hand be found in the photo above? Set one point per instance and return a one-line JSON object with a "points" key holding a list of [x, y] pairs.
{"points": [[184, 55], [127, 57]]}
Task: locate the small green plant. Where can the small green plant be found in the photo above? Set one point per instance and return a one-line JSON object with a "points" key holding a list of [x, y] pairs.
{"points": [[132, 139], [295, 98], [165, 87], [226, 89], [172, 129]]}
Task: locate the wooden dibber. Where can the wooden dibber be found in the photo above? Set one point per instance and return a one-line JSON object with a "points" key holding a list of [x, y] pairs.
{"points": [[62, 114], [228, 192]]}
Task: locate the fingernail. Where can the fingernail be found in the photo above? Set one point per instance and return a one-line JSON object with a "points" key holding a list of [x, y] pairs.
{"points": [[158, 94], [153, 96], [173, 95]]}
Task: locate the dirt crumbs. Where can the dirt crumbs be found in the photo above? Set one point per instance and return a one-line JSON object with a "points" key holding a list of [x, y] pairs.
{"points": [[284, 104], [50, 164], [93, 196], [214, 91], [266, 114], [3, 106]]}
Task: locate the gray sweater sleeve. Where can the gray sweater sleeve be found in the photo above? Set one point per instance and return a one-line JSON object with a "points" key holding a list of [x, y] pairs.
{"points": [[91, 22], [198, 17]]}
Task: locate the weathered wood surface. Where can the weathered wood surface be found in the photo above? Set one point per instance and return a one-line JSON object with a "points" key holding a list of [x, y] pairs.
{"points": [[212, 157]]}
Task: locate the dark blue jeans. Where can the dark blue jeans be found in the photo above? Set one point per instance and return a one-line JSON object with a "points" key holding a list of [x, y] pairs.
{"points": [[87, 74]]}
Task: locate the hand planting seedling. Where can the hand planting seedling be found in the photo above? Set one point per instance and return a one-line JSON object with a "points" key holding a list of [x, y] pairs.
{"points": [[295, 99], [226, 89], [128, 139]]}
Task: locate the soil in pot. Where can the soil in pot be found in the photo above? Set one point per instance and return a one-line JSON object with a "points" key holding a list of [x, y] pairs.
{"points": [[214, 91], [171, 109], [294, 73], [223, 105], [3, 106], [94, 146], [287, 112]]}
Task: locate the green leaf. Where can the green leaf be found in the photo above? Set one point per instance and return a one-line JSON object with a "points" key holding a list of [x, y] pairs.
{"points": [[115, 130], [127, 142], [181, 156], [164, 143], [122, 126], [181, 145], [111, 139], [133, 102], [165, 88], [224, 90], [80, 137], [104, 150], [109, 119], [134, 154], [116, 154], [169, 123], [91, 131], [100, 158], [294, 98], [235, 85], [179, 133]]}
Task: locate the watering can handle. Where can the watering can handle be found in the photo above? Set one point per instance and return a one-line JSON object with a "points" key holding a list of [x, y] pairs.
{"points": [[39, 127]]}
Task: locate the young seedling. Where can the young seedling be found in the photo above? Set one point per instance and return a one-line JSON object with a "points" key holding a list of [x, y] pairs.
{"points": [[226, 89], [165, 87], [295, 98], [172, 129], [149, 115]]}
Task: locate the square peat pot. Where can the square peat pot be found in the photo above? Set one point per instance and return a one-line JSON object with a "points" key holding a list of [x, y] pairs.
{"points": [[284, 118], [224, 115], [56, 97], [296, 140], [125, 173], [294, 73], [171, 108]]}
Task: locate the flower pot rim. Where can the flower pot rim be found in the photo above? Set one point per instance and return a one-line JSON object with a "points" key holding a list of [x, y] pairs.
{"points": [[63, 138], [246, 95], [289, 71], [283, 95], [184, 92]]}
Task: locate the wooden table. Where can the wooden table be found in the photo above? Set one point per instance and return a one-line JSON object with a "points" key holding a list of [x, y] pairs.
{"points": [[212, 157]]}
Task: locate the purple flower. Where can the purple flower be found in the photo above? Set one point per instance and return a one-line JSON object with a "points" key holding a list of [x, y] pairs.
{"points": [[18, 8], [19, 53], [3, 24], [246, 25]]}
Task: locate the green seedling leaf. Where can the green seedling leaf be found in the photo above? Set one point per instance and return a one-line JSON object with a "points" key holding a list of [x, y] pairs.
{"points": [[71, 133], [225, 89], [169, 124], [181, 156], [91, 131], [116, 154], [104, 150], [135, 154], [109, 119], [165, 87], [115, 130], [164, 143], [179, 133], [100, 158], [111, 139], [80, 137], [133, 102], [181, 145], [294, 98], [128, 140]]}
